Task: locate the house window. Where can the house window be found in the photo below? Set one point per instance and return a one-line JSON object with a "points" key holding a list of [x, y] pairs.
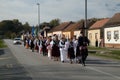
{"points": [[108, 35], [116, 35], [90, 36], [96, 36]]}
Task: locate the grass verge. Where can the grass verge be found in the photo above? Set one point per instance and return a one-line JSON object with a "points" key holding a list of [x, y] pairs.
{"points": [[2, 44], [105, 52]]}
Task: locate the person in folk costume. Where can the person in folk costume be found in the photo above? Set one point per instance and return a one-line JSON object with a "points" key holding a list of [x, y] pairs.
{"points": [[32, 45], [27, 43], [78, 55], [55, 48], [67, 42], [36, 44], [75, 43], [44, 50], [49, 48], [40, 44], [82, 43], [71, 52], [63, 49]]}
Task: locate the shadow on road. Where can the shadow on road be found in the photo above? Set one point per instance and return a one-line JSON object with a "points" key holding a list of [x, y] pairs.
{"points": [[100, 63], [2, 52], [13, 72], [10, 69]]}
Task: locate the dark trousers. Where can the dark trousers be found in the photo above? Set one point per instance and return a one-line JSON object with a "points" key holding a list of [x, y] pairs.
{"points": [[84, 54], [44, 51]]}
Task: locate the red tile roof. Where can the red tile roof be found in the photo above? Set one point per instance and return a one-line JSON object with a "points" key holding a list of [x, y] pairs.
{"points": [[72, 27], [99, 24], [114, 21], [82, 24], [61, 27]]}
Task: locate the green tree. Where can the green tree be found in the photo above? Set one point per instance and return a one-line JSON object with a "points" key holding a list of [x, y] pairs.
{"points": [[17, 26], [7, 25], [8, 34], [44, 24], [13, 35], [26, 27], [12, 27], [54, 22]]}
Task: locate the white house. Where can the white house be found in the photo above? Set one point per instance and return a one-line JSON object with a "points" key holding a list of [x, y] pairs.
{"points": [[112, 32], [112, 37]]}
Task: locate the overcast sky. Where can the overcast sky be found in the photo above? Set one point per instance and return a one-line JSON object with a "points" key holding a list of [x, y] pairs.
{"points": [[65, 10]]}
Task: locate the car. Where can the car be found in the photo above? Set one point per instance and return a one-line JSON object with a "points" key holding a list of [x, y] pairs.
{"points": [[17, 41]]}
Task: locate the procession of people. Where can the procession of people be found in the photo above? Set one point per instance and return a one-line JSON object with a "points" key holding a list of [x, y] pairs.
{"points": [[60, 48]]}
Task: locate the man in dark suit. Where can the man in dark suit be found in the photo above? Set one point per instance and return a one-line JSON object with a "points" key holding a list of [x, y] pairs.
{"points": [[82, 44]]}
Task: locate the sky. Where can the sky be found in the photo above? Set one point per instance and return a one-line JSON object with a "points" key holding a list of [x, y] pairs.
{"points": [[65, 10]]}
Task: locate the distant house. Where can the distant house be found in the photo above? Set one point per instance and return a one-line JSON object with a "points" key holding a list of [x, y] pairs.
{"points": [[81, 27], [45, 29], [69, 31], [49, 34], [95, 33], [58, 30], [112, 32], [77, 33]]}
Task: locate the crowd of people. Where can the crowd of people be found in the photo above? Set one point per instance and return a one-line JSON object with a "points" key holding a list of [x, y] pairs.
{"points": [[62, 49]]}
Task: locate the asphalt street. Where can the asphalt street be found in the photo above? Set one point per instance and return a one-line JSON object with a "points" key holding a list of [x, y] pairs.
{"points": [[10, 68], [37, 67]]}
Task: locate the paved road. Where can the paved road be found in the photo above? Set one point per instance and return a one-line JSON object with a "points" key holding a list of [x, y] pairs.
{"points": [[41, 68], [10, 68]]}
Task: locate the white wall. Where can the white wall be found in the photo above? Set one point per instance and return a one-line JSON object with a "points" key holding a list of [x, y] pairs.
{"points": [[112, 40], [58, 33], [77, 33], [49, 34]]}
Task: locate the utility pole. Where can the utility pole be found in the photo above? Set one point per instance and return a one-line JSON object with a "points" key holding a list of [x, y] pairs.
{"points": [[85, 24], [38, 17]]}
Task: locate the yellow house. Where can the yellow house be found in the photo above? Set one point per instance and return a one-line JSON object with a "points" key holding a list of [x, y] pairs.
{"points": [[77, 33], [69, 31], [79, 27], [95, 33], [49, 34]]}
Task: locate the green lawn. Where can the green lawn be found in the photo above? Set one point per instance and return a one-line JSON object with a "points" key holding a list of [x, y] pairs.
{"points": [[2, 44], [105, 52], [96, 48], [115, 52]]}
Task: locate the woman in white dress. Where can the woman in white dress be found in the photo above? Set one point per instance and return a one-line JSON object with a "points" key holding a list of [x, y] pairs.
{"points": [[40, 44], [49, 47], [63, 49], [75, 43]]}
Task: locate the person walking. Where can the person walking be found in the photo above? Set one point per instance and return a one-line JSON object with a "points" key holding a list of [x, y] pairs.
{"points": [[49, 48], [44, 49], [63, 53], [27, 43], [36, 42], [32, 45], [71, 53], [82, 44], [55, 48], [40, 44], [75, 43]]}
